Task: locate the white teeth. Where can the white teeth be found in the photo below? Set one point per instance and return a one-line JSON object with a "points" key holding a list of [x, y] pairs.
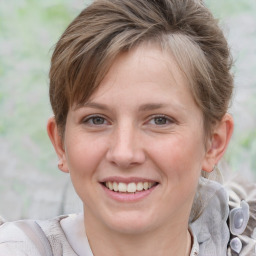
{"points": [[145, 185], [110, 185], [122, 187], [130, 187], [115, 186], [140, 186]]}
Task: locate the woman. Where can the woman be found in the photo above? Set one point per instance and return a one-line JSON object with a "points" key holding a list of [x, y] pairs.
{"points": [[140, 92]]}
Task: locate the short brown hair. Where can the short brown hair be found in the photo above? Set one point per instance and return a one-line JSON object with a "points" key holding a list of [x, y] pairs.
{"points": [[106, 28]]}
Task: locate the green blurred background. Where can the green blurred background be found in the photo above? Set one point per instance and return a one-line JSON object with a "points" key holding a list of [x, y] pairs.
{"points": [[30, 184]]}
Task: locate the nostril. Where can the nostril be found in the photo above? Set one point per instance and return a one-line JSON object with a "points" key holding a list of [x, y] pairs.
{"points": [[125, 158], [122, 159]]}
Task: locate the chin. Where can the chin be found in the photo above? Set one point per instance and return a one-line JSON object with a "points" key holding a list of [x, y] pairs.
{"points": [[130, 223]]}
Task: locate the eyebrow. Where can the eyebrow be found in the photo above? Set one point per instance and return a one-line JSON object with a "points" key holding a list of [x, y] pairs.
{"points": [[142, 108], [151, 106], [93, 105]]}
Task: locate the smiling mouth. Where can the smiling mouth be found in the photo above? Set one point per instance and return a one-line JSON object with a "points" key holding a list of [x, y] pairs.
{"points": [[129, 187]]}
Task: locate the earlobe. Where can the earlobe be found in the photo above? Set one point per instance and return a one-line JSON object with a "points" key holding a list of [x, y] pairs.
{"points": [[57, 142], [218, 142]]}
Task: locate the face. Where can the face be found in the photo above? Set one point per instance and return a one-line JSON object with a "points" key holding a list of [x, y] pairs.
{"points": [[135, 150]]}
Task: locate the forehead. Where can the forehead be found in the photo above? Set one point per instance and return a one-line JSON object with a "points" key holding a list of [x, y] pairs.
{"points": [[175, 53], [147, 73]]}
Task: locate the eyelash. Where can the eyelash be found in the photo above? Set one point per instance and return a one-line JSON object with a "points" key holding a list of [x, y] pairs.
{"points": [[89, 120], [166, 118]]}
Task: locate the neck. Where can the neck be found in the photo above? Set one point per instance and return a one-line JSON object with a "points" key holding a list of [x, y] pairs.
{"points": [[172, 240]]}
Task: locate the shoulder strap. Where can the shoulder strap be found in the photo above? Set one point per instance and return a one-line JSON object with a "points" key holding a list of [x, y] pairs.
{"points": [[35, 234]]}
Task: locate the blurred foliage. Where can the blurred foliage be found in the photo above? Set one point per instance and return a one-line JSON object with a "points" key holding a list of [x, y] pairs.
{"points": [[28, 31], [227, 8]]}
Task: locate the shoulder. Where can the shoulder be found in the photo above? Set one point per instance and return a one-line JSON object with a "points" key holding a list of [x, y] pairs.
{"points": [[211, 229], [242, 216], [227, 225], [56, 236], [20, 237], [30, 237]]}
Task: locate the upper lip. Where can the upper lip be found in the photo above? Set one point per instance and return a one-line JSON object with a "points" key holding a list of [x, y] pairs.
{"points": [[127, 179]]}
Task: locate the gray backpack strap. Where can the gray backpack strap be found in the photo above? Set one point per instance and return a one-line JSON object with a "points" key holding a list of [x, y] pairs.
{"points": [[36, 235]]}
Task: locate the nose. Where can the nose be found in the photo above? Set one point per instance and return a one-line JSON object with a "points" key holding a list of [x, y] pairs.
{"points": [[125, 147]]}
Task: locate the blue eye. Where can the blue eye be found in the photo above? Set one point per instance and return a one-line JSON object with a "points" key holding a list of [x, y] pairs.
{"points": [[95, 120]]}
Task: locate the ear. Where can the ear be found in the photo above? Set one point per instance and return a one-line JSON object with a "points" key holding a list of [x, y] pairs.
{"points": [[218, 142], [57, 142]]}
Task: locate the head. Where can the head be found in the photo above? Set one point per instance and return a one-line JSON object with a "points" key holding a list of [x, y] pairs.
{"points": [[105, 41], [186, 29]]}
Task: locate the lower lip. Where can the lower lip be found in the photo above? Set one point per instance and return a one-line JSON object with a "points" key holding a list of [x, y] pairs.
{"points": [[128, 197]]}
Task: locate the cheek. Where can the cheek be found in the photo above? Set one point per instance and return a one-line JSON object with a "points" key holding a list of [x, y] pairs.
{"points": [[180, 151], [179, 160], [83, 158], [83, 155]]}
